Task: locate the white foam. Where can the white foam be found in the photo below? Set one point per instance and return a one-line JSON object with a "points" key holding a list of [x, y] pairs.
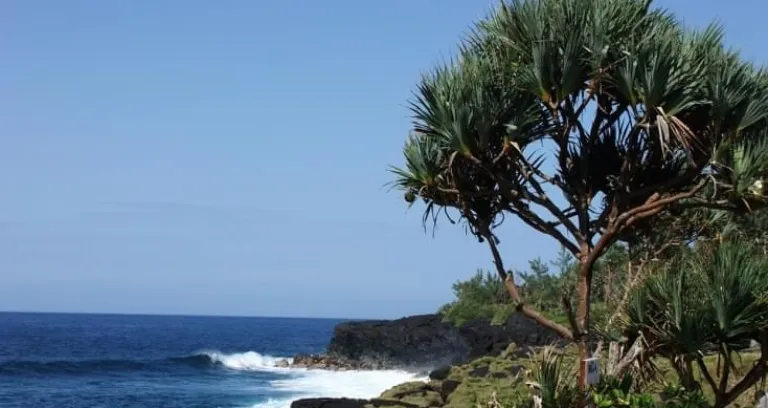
{"points": [[248, 361], [349, 384], [304, 383]]}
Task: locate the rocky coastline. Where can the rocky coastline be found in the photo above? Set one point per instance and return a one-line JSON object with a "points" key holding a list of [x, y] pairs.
{"points": [[326, 362], [417, 343]]}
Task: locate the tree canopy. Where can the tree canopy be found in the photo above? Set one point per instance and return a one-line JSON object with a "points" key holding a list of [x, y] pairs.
{"points": [[592, 121]]}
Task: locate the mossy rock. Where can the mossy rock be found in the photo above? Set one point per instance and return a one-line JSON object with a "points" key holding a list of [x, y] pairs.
{"points": [[416, 393], [478, 391], [447, 387], [480, 379], [380, 403], [473, 383]]}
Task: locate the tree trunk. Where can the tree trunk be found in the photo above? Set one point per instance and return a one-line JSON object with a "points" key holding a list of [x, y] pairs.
{"points": [[685, 373], [586, 265]]}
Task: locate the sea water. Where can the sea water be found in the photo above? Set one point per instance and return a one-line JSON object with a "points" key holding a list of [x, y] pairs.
{"points": [[79, 361]]}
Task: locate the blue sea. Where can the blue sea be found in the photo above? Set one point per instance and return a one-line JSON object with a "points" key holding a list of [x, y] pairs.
{"points": [[79, 361]]}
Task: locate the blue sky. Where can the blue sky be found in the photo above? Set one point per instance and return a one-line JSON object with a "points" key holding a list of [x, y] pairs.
{"points": [[204, 157]]}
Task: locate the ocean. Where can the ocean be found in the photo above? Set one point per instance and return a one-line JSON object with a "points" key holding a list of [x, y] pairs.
{"points": [[110, 361]]}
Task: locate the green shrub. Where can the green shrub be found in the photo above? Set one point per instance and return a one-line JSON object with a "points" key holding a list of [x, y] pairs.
{"points": [[612, 392], [481, 297]]}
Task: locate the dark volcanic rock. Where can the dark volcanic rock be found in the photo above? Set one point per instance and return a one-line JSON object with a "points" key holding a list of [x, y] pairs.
{"points": [[448, 387], [348, 403], [328, 403], [420, 341], [521, 353], [516, 369], [320, 362], [440, 373], [377, 402], [486, 340], [411, 341], [480, 371]]}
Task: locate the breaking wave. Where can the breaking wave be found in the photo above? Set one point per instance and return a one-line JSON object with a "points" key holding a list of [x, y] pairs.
{"points": [[287, 385], [248, 361]]}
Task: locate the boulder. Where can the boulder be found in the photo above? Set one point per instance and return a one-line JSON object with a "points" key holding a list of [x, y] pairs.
{"points": [[480, 372], [440, 373], [447, 387], [414, 393], [282, 363]]}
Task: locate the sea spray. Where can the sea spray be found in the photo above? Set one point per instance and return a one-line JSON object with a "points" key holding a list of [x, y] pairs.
{"points": [[248, 361], [313, 383], [305, 383]]}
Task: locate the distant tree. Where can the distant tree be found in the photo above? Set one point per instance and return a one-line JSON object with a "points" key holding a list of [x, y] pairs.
{"points": [[540, 287], [483, 296], [588, 120]]}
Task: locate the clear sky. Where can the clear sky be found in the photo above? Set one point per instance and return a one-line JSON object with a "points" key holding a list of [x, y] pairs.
{"points": [[228, 157]]}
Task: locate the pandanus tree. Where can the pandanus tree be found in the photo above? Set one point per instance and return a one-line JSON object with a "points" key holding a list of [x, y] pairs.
{"points": [[716, 302], [588, 120]]}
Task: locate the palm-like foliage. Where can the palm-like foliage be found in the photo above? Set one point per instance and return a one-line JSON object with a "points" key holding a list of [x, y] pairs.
{"points": [[612, 104], [550, 379], [716, 303]]}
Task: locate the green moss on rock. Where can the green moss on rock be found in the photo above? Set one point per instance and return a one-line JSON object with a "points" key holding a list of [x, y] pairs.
{"points": [[416, 392], [503, 375]]}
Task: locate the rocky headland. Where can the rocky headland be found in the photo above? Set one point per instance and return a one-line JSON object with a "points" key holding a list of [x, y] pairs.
{"points": [[419, 343], [426, 344], [457, 386]]}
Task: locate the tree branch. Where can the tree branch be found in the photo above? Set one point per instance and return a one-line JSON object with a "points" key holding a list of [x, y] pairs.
{"points": [[705, 372], [754, 375], [661, 187], [520, 306], [533, 220], [652, 206], [629, 357], [543, 200], [655, 202], [724, 377], [571, 316]]}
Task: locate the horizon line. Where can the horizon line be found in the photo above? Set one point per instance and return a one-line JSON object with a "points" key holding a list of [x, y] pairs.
{"points": [[238, 316]]}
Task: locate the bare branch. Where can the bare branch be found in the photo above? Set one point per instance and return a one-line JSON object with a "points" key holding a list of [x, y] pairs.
{"points": [[543, 200], [571, 315], [520, 306], [532, 219], [629, 357]]}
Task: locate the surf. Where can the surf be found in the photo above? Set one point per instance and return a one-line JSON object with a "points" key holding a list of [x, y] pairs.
{"points": [[288, 384], [314, 383], [247, 361]]}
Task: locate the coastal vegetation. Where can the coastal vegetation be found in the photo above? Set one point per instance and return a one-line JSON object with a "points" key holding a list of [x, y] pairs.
{"points": [[637, 144], [700, 321]]}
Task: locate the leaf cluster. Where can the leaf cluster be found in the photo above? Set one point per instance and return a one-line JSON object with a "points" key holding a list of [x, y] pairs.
{"points": [[621, 101]]}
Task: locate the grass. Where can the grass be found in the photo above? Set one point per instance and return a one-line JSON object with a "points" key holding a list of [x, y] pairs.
{"points": [[505, 375], [743, 362]]}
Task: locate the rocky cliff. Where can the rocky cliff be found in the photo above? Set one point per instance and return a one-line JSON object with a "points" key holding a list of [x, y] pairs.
{"points": [[426, 341], [473, 384]]}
